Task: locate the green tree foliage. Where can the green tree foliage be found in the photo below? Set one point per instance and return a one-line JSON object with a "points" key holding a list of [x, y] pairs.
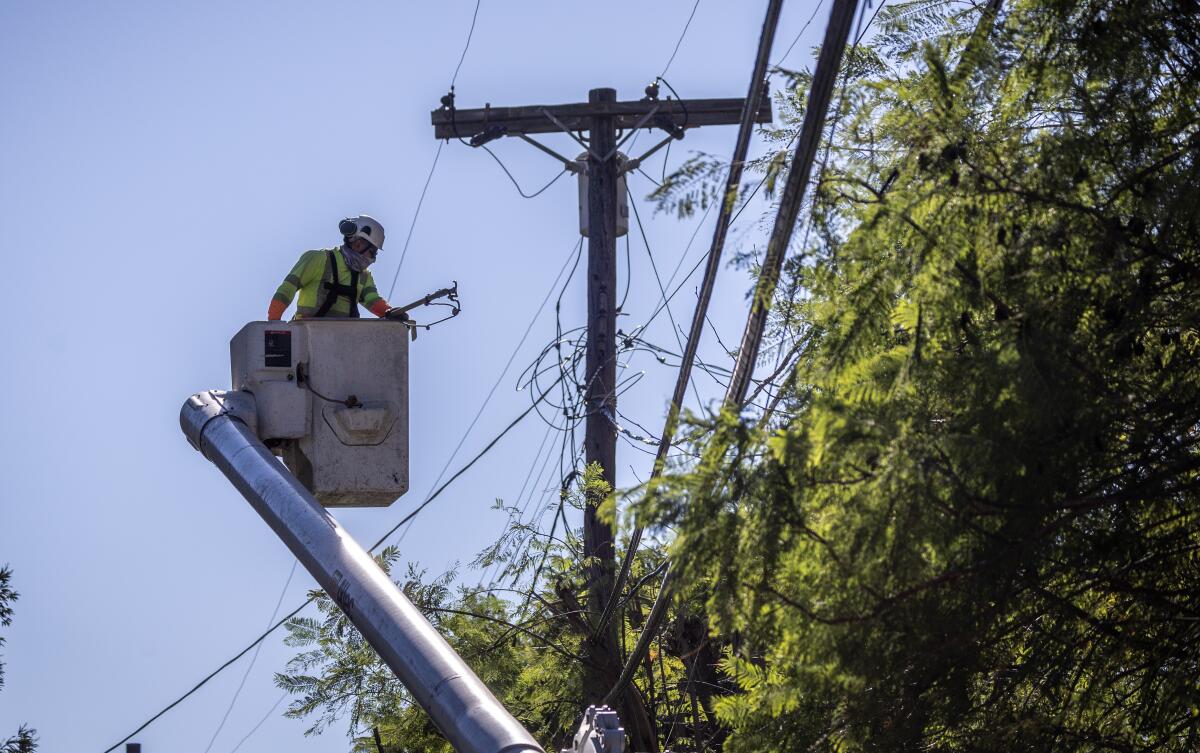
{"points": [[25, 741], [971, 522]]}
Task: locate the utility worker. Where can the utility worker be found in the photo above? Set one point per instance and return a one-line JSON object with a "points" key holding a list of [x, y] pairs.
{"points": [[333, 281]]}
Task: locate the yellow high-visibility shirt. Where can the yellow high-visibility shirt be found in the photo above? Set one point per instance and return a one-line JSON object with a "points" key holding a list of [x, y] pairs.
{"points": [[307, 277]]}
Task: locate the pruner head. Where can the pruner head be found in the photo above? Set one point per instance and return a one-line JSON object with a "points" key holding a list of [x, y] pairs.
{"points": [[453, 294]]}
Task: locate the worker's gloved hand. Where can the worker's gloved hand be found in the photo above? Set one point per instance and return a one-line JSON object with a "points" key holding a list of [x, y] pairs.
{"points": [[396, 315]]}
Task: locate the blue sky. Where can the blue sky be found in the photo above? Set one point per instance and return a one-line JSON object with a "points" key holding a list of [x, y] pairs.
{"points": [[161, 167]]}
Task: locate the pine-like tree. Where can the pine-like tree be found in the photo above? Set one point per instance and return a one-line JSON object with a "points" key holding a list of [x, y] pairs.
{"points": [[25, 741]]}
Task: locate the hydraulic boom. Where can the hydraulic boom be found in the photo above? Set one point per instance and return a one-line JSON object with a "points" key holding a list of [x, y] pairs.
{"points": [[218, 424]]}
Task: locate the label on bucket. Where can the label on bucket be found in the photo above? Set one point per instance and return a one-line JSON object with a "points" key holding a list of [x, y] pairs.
{"points": [[277, 348]]}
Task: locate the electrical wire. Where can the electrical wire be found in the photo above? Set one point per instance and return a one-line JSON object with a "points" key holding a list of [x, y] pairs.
{"points": [[416, 214], [657, 184], [467, 46], [507, 172], [211, 675], [628, 277], [261, 722], [495, 567], [500, 378], [853, 47], [858, 38], [662, 290], [253, 659], [680, 40], [462, 470], [682, 103], [512, 356], [663, 301], [803, 29], [654, 268], [667, 67], [811, 135], [428, 178], [541, 508], [860, 32], [453, 79]]}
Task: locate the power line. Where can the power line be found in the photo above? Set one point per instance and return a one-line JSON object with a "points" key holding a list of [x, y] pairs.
{"points": [[858, 38], [429, 177], [811, 219], [803, 29], [860, 32], [680, 41], [667, 67], [507, 365], [504, 371], [498, 564], [507, 172], [416, 214], [662, 290], [464, 469], [261, 722], [675, 272], [467, 46], [210, 675], [253, 659]]}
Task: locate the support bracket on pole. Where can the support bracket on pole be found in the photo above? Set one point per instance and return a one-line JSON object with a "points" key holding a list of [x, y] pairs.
{"points": [[569, 165], [550, 116]]}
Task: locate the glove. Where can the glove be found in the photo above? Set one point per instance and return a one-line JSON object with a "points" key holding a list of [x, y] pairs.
{"points": [[396, 315]]}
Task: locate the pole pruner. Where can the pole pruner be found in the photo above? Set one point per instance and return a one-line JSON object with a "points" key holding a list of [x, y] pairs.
{"points": [[400, 313]]}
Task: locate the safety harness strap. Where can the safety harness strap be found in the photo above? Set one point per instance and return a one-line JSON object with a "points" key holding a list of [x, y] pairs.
{"points": [[334, 288]]}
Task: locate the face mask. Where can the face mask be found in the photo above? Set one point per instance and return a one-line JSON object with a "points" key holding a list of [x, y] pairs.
{"points": [[356, 261]]}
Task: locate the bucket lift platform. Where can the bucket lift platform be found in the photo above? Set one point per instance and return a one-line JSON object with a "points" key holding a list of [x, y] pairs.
{"points": [[331, 399]]}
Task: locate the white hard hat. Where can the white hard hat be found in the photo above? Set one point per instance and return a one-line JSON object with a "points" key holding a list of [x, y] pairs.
{"points": [[363, 226]]}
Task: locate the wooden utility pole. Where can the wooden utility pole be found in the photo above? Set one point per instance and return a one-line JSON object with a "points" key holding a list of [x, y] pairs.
{"points": [[600, 397], [601, 117]]}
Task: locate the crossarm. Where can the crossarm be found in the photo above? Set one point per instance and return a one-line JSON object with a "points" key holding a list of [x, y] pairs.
{"points": [[689, 113]]}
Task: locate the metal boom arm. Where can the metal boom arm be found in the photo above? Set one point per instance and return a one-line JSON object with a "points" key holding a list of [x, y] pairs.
{"points": [[218, 425]]}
